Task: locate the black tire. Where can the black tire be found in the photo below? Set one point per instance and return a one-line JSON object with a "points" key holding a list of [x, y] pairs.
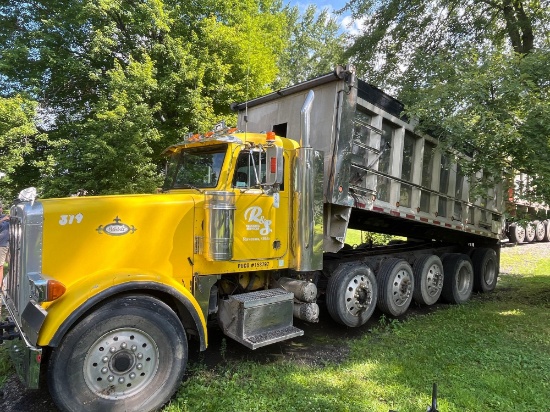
{"points": [[516, 233], [395, 286], [529, 232], [128, 355], [485, 264], [459, 278], [540, 230], [352, 294], [546, 237], [428, 279]]}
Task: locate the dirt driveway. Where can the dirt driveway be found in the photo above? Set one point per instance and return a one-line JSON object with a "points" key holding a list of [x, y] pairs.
{"points": [[321, 344]]}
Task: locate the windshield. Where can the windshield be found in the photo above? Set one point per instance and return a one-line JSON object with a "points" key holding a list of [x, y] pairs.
{"points": [[198, 167]]}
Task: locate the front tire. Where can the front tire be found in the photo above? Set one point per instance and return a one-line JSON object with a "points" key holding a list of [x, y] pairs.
{"points": [[128, 355], [352, 294]]}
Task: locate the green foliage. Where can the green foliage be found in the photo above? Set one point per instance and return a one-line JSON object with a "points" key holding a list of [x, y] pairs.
{"points": [[115, 156], [6, 367], [358, 237], [118, 81], [314, 46], [121, 80], [494, 106], [474, 74], [21, 146]]}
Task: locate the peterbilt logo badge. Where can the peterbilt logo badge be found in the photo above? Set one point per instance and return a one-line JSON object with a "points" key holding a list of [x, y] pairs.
{"points": [[116, 229]]}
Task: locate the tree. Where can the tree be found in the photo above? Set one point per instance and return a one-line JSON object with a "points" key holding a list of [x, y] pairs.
{"points": [[21, 146], [120, 80], [315, 46], [472, 72]]}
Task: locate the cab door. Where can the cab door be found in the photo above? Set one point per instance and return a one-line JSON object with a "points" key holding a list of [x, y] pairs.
{"points": [[261, 219]]}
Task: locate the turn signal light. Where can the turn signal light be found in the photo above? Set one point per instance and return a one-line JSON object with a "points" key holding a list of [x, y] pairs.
{"points": [[55, 290], [45, 290]]}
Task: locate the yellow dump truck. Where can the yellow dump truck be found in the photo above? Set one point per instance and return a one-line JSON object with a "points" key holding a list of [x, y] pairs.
{"points": [[104, 293]]}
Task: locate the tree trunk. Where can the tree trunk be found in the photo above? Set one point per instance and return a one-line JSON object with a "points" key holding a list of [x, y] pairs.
{"points": [[518, 25]]}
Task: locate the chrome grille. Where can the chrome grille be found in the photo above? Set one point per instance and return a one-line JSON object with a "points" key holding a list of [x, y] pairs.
{"points": [[26, 227], [14, 275]]}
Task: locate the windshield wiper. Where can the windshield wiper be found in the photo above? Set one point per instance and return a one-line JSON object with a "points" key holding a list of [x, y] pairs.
{"points": [[188, 186]]}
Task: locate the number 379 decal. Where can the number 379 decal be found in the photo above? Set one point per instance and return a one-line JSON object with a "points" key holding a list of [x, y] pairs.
{"points": [[70, 219]]}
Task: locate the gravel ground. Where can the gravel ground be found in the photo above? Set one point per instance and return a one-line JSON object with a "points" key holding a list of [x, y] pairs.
{"points": [[531, 253], [321, 344]]}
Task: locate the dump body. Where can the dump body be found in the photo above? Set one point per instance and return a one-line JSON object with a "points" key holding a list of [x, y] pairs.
{"points": [[379, 174]]}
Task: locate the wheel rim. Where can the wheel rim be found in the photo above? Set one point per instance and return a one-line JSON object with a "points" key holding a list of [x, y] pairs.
{"points": [[358, 294], [434, 281], [520, 232], [463, 280], [401, 287], [490, 272], [541, 230], [121, 363], [530, 231]]}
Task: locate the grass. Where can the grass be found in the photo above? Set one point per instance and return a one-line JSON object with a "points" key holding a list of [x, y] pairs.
{"points": [[6, 368], [358, 237], [492, 354]]}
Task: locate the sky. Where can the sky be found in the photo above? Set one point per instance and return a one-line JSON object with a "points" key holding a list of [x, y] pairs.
{"points": [[334, 4]]}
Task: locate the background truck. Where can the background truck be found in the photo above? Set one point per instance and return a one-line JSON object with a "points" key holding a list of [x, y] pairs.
{"points": [[527, 220], [104, 293]]}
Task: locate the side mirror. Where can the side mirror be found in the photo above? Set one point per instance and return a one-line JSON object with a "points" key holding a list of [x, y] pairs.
{"points": [[274, 166]]}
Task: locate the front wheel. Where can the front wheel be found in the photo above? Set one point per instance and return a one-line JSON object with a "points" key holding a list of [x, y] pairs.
{"points": [[128, 355]]}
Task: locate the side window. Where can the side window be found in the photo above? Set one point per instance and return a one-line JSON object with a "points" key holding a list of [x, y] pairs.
{"points": [[280, 129], [251, 170]]}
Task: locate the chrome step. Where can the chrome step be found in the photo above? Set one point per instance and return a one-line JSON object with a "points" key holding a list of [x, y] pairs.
{"points": [[259, 318]]}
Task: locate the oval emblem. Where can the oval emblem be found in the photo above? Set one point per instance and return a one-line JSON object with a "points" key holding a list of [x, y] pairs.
{"points": [[116, 229]]}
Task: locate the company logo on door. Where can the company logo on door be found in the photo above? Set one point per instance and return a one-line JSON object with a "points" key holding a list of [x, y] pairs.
{"points": [[256, 221]]}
